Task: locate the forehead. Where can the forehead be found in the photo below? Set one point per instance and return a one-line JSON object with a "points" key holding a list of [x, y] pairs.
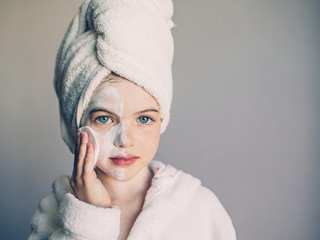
{"points": [[125, 91], [105, 90]]}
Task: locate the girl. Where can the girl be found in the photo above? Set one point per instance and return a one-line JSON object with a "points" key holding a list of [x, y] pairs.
{"points": [[114, 84]]}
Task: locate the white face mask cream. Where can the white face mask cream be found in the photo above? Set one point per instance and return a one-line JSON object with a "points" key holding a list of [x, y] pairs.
{"points": [[107, 143]]}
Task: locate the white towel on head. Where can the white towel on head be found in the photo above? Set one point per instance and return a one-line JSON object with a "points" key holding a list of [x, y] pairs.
{"points": [[131, 38]]}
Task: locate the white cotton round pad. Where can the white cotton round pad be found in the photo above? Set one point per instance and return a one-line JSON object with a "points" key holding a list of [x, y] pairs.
{"points": [[93, 140]]}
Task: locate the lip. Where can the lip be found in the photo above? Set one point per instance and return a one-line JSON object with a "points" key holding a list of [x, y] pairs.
{"points": [[124, 160]]}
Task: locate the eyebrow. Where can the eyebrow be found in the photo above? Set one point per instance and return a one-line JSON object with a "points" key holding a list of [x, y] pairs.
{"points": [[148, 110], [112, 113], [101, 110]]}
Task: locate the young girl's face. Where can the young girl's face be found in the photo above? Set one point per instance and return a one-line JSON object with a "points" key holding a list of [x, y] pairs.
{"points": [[126, 122]]}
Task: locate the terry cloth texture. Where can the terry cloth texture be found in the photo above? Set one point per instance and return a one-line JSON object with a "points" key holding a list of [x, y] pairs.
{"points": [[131, 38], [176, 207]]}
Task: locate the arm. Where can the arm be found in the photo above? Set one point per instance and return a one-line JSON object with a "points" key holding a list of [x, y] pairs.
{"points": [[73, 219], [85, 214], [80, 220]]}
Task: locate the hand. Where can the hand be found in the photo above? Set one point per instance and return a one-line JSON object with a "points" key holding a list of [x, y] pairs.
{"points": [[84, 180]]}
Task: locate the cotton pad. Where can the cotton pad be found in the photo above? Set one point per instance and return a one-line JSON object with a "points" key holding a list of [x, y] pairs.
{"points": [[93, 140]]}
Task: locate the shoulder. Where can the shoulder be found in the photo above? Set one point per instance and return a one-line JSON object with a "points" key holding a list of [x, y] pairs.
{"points": [[209, 208], [45, 219], [201, 196], [209, 205], [194, 199]]}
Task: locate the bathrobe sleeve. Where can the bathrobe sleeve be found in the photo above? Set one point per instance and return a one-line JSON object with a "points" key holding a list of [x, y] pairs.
{"points": [[69, 218]]}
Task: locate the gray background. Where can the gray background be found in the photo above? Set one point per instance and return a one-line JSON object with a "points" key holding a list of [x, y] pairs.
{"points": [[245, 113]]}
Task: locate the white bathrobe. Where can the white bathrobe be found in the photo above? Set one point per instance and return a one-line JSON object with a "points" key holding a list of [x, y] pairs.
{"points": [[176, 207]]}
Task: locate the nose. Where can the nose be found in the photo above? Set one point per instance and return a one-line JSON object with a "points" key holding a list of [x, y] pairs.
{"points": [[124, 137]]}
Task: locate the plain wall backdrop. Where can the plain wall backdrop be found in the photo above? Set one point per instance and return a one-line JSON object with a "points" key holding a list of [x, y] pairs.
{"points": [[245, 112]]}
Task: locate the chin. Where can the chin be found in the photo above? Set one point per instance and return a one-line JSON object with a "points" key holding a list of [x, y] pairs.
{"points": [[121, 174]]}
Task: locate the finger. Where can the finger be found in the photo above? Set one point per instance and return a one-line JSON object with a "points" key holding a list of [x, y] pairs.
{"points": [[82, 154], [88, 166], [74, 172], [72, 184], [78, 141]]}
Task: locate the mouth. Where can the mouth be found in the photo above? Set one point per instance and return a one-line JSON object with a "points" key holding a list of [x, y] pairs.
{"points": [[124, 160]]}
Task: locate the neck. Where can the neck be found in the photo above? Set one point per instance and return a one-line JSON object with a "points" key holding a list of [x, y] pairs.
{"points": [[126, 191]]}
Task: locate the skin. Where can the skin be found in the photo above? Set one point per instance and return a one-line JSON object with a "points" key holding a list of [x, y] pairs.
{"points": [[135, 118]]}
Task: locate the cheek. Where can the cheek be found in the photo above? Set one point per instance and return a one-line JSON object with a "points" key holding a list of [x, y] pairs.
{"points": [[149, 142], [106, 141]]}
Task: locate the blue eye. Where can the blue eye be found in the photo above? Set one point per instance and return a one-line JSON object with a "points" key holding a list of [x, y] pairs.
{"points": [[104, 119], [144, 119]]}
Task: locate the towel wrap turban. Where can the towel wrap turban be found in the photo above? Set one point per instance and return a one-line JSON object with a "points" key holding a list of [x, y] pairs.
{"points": [[131, 38]]}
